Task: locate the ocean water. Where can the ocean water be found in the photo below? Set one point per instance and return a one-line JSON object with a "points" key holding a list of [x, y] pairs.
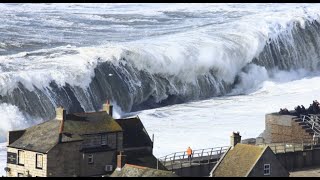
{"points": [[193, 73], [210, 123]]}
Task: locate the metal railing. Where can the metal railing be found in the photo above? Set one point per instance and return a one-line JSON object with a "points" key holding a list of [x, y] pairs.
{"points": [[292, 147], [313, 121], [199, 156]]}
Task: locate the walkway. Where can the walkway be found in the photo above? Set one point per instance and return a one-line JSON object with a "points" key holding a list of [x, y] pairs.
{"points": [[180, 160]]}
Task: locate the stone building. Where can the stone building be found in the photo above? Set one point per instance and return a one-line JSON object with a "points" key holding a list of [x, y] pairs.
{"points": [[243, 160], [286, 129], [78, 144]]}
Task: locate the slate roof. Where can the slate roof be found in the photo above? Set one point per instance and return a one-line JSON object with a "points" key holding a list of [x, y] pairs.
{"points": [[90, 123], [134, 130], [129, 170], [44, 136], [143, 158], [40, 138], [238, 162]]}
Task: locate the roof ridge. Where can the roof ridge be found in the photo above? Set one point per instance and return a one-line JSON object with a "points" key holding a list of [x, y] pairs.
{"points": [[89, 112]]}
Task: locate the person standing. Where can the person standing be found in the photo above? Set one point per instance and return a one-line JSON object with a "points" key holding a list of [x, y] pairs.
{"points": [[189, 152]]}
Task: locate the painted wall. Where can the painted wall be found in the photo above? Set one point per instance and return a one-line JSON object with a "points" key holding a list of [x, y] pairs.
{"points": [[29, 164]]}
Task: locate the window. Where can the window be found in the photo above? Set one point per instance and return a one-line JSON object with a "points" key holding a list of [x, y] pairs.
{"points": [[104, 139], [20, 175], [266, 169], [39, 161], [112, 140], [90, 159], [20, 157]]}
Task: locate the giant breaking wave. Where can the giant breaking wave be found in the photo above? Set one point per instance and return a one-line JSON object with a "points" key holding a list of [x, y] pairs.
{"points": [[195, 64]]}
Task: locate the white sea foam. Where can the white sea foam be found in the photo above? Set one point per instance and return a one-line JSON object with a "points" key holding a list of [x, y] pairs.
{"points": [[209, 123], [185, 41], [13, 119], [3, 158]]}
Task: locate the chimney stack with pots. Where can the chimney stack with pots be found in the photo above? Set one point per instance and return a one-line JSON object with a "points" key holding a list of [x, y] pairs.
{"points": [[61, 116], [108, 108], [121, 160], [235, 138]]}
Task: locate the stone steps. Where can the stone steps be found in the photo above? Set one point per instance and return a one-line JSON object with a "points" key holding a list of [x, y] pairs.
{"points": [[307, 126]]}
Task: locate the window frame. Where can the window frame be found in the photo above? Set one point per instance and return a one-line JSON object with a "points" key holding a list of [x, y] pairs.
{"points": [[19, 157], [266, 167], [37, 167], [104, 139], [90, 156]]}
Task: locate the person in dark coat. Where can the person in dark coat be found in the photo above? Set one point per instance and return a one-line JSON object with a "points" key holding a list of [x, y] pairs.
{"points": [[303, 110], [297, 110], [310, 109], [315, 107]]}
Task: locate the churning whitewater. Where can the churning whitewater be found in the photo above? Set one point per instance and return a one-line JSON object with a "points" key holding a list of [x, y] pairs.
{"points": [[143, 56]]}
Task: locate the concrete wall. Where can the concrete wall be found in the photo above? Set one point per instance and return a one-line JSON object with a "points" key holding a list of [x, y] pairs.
{"points": [[29, 164], [276, 168], [64, 160], [290, 161], [282, 128], [202, 170], [300, 159]]}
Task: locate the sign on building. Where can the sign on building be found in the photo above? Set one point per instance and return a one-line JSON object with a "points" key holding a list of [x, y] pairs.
{"points": [[11, 158]]}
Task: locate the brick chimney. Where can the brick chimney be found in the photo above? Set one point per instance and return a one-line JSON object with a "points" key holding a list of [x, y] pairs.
{"points": [[60, 113], [108, 108], [61, 116], [235, 138], [121, 161]]}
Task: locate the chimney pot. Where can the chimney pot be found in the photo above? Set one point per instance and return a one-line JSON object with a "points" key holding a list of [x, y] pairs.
{"points": [[108, 108], [235, 138], [61, 116]]}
